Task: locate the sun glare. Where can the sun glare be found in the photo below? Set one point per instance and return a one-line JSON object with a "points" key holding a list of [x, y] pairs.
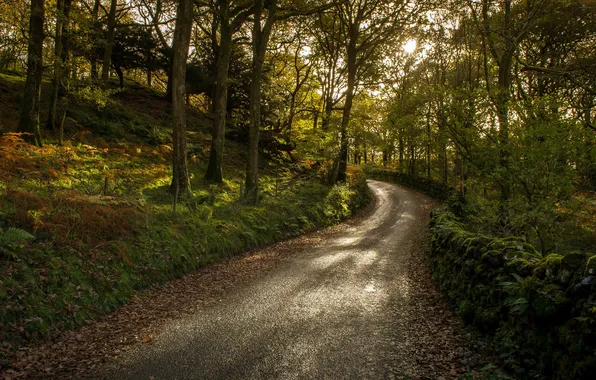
{"points": [[410, 46]]}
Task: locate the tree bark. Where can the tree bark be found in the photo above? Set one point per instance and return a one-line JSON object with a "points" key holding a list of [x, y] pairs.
{"points": [[428, 142], [60, 58], [29, 120], [120, 74], [180, 180], [107, 55], [95, 19], [224, 52], [260, 39], [342, 166]]}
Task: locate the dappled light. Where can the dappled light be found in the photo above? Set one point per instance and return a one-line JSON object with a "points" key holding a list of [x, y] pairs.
{"points": [[159, 148]]}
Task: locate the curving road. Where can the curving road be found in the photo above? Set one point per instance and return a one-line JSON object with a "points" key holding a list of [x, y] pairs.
{"points": [[357, 305]]}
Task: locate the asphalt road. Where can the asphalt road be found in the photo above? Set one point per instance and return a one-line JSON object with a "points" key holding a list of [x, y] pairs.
{"points": [[354, 306]]}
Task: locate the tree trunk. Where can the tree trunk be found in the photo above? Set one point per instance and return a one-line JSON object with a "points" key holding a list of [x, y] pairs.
{"points": [[169, 85], [401, 154], [120, 74], [180, 180], [345, 121], [260, 39], [57, 75], [214, 168], [65, 51], [29, 121], [95, 18], [428, 142], [107, 55], [327, 114]]}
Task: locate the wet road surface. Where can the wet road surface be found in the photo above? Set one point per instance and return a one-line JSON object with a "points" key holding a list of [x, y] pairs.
{"points": [[357, 305]]}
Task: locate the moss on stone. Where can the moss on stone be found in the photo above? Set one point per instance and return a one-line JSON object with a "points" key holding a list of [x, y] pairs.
{"points": [[591, 266], [575, 260], [481, 273]]}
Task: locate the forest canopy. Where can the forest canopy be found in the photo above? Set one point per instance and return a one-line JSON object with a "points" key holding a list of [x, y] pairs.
{"points": [[494, 97]]}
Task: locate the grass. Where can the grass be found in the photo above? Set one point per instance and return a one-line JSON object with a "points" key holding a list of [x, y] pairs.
{"points": [[102, 218]]}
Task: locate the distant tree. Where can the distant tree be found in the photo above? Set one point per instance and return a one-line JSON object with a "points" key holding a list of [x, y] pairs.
{"points": [[136, 48], [184, 17], [109, 44], [29, 121], [228, 21], [367, 25], [61, 53]]}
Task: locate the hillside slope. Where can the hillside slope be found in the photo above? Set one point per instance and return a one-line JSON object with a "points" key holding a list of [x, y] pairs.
{"points": [[87, 224]]}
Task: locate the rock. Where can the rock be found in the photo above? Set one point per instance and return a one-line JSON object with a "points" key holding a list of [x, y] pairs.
{"points": [[584, 284], [564, 276], [575, 260], [591, 266]]}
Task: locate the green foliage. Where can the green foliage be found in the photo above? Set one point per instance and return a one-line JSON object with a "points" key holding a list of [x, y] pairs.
{"points": [[58, 284], [537, 309], [12, 240], [437, 190]]}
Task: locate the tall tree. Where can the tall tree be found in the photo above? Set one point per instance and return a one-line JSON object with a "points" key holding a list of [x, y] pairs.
{"points": [[265, 13], [367, 25], [111, 31], [184, 17], [29, 121], [60, 57], [261, 31], [229, 20]]}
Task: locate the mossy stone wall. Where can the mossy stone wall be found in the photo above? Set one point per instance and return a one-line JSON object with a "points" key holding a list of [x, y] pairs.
{"points": [[539, 310]]}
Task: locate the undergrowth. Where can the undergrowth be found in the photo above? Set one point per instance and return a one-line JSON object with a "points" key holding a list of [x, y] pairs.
{"points": [[91, 225]]}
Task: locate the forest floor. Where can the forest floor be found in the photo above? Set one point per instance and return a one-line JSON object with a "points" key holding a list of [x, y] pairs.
{"points": [[351, 301]]}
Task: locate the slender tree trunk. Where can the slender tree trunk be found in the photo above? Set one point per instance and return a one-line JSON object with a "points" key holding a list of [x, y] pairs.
{"points": [[107, 55], [56, 77], [412, 169], [328, 109], [65, 51], [120, 74], [214, 168], [60, 58], [180, 180], [428, 142], [169, 85], [345, 121], [502, 106], [95, 19], [260, 39], [445, 165], [29, 121]]}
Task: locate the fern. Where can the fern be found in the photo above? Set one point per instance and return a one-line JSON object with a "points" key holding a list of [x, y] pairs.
{"points": [[14, 236]]}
